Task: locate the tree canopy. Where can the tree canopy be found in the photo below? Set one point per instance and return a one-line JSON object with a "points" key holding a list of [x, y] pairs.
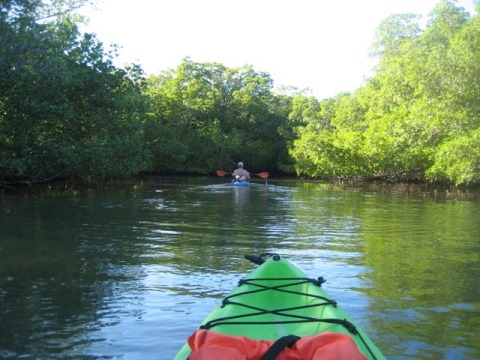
{"points": [[67, 111], [419, 112]]}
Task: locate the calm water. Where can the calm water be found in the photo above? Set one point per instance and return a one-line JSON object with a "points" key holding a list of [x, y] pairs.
{"points": [[127, 272]]}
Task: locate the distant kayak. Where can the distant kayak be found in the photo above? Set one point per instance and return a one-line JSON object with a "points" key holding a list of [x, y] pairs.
{"points": [[240, 183], [278, 311]]}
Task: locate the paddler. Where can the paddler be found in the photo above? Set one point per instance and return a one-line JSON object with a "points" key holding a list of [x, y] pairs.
{"points": [[241, 174]]}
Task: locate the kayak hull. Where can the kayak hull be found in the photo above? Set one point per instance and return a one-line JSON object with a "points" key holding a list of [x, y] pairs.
{"points": [[288, 309], [240, 183]]}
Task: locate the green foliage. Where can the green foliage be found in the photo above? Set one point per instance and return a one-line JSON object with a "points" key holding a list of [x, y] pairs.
{"points": [[418, 113], [218, 115], [393, 32], [458, 160], [67, 111]]}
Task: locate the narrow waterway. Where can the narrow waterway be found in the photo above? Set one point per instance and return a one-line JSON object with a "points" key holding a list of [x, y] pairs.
{"points": [[128, 271]]}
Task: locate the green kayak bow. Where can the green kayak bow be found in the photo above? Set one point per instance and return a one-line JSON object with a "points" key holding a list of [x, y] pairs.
{"points": [[277, 300]]}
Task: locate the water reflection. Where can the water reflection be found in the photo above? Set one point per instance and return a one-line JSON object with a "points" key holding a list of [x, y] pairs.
{"points": [[130, 270]]}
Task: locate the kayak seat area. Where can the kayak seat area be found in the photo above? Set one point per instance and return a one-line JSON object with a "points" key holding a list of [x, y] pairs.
{"points": [[207, 344]]}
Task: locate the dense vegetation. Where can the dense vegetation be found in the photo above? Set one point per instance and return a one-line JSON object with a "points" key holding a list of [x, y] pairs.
{"points": [[66, 111]]}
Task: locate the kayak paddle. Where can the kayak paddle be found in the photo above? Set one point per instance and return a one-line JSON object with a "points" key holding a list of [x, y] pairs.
{"points": [[222, 173], [261, 174]]}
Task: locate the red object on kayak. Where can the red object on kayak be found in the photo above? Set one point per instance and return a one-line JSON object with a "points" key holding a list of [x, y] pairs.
{"points": [[207, 345]]}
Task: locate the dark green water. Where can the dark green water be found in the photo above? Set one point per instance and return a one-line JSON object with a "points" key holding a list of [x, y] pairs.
{"points": [[127, 272]]}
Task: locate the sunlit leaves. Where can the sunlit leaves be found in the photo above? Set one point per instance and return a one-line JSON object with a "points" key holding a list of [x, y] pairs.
{"points": [[458, 160], [219, 114], [65, 109], [393, 32], [418, 113]]}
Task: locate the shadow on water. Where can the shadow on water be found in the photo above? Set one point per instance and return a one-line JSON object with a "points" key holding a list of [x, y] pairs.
{"points": [[129, 270]]}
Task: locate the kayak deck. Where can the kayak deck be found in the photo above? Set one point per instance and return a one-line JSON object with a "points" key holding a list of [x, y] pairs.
{"points": [[278, 299]]}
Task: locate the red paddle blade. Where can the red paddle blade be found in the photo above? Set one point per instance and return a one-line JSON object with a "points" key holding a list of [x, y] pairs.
{"points": [[264, 174], [221, 173]]}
